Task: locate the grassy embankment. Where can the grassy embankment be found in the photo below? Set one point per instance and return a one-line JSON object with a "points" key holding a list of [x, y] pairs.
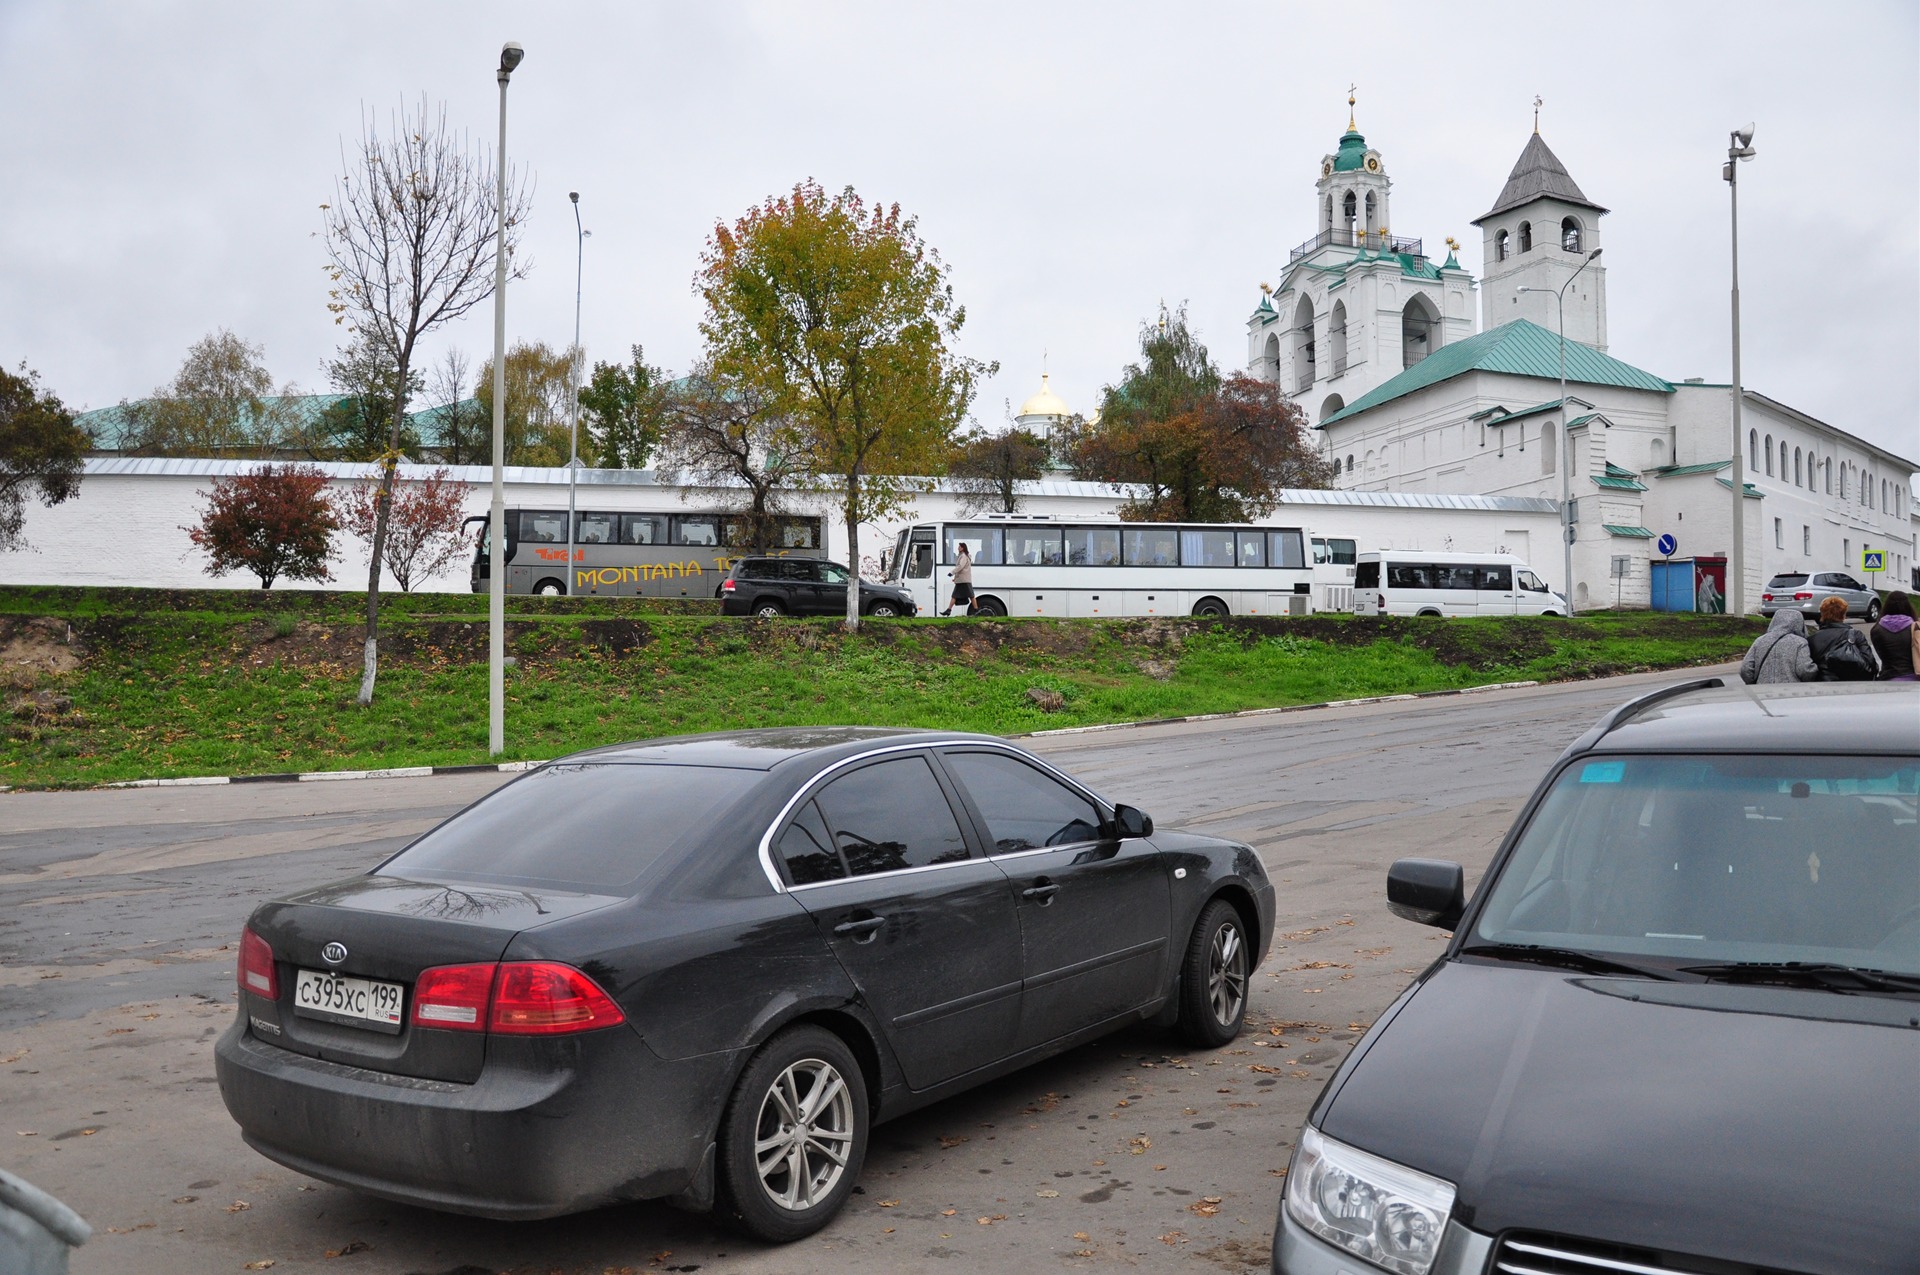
{"points": [[155, 683]]}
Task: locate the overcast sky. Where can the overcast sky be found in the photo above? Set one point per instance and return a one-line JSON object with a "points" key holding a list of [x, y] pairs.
{"points": [[1074, 163]]}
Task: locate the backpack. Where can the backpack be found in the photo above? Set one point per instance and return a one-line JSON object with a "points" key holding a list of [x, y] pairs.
{"points": [[1846, 662]]}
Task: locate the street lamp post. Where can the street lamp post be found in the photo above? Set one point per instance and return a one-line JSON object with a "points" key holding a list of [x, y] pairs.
{"points": [[1740, 147], [573, 387], [1566, 435], [510, 55]]}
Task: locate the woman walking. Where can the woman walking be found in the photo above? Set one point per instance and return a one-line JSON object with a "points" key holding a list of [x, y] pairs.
{"points": [[1894, 639], [1780, 654], [962, 581]]}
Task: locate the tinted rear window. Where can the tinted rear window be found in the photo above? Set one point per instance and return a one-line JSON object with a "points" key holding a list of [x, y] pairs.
{"points": [[1786, 581], [589, 826]]}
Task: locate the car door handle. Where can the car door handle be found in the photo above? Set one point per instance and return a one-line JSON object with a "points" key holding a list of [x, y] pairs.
{"points": [[861, 930], [1042, 890]]}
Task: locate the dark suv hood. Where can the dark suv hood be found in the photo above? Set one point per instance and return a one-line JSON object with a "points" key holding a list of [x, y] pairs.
{"points": [[1775, 1126]]}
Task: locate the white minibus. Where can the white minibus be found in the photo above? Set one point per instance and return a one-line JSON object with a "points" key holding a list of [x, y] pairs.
{"points": [[1412, 582]]}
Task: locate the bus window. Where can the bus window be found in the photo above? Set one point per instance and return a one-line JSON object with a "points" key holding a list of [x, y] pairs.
{"points": [[920, 560], [597, 529], [1033, 546], [543, 527], [1093, 546], [1366, 576], [643, 529], [1334, 551], [1253, 548], [1532, 583], [1454, 577], [696, 529], [1206, 548], [985, 544], [799, 533], [1285, 548], [1407, 575], [1151, 547], [1500, 577]]}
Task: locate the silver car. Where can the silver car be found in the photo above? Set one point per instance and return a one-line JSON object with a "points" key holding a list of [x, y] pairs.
{"points": [[1803, 591]]}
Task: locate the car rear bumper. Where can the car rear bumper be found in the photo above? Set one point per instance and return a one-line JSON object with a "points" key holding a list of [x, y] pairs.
{"points": [[552, 1126]]}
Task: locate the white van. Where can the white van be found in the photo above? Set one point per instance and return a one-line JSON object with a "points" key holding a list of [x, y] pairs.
{"points": [[1412, 582]]}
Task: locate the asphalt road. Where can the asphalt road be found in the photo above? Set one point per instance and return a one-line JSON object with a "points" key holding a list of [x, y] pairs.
{"points": [[116, 956]]}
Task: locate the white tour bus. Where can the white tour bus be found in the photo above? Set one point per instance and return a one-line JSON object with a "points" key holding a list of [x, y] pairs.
{"points": [[1412, 582], [1037, 566]]}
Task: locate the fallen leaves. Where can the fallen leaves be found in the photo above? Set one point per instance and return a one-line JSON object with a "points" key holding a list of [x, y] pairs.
{"points": [[350, 1248], [265, 1263], [1297, 935], [948, 1144], [1206, 1206], [238, 1206], [989, 1221], [1139, 1145], [889, 1204], [1048, 1193], [1172, 1238]]}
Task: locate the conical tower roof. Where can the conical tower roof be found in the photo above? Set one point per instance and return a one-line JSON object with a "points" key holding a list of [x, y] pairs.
{"points": [[1537, 174]]}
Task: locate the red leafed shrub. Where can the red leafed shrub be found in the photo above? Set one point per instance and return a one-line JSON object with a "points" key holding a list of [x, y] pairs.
{"points": [[275, 521], [424, 531]]}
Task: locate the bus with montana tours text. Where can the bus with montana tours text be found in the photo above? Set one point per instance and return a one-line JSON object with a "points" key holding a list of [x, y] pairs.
{"points": [[1039, 566], [631, 553]]}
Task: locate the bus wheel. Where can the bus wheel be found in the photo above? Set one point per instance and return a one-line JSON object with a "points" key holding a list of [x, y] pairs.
{"points": [[550, 589], [989, 606], [1430, 615], [1211, 608]]}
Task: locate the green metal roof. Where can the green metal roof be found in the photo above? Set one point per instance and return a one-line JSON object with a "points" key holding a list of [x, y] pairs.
{"points": [[1500, 415], [1631, 533], [1519, 348], [1750, 491], [1682, 471], [109, 425], [1352, 153], [1619, 484], [1619, 471], [1416, 267]]}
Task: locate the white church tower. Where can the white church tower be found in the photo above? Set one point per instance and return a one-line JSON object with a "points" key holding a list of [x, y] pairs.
{"points": [[1538, 232], [1357, 305]]}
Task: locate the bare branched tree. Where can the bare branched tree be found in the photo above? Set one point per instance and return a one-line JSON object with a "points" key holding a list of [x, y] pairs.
{"points": [[719, 432], [410, 241]]}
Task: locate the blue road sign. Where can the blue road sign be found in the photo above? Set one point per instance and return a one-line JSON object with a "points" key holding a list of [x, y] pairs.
{"points": [[1666, 544], [1873, 559]]}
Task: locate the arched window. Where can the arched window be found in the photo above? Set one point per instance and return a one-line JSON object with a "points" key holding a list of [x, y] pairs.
{"points": [[1659, 452], [1373, 214], [1826, 473], [1843, 480], [1419, 331], [1350, 213], [1546, 449], [1349, 462], [1783, 460], [1501, 246], [1769, 455], [1753, 450], [1796, 467], [1337, 331], [1329, 206], [1271, 358], [1333, 404], [1569, 235], [1303, 352], [1526, 236]]}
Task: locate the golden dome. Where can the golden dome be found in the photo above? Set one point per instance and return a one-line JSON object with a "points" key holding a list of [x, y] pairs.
{"points": [[1045, 403]]}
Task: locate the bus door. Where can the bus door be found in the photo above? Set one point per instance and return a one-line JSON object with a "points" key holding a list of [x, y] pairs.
{"points": [[1498, 594], [917, 570]]}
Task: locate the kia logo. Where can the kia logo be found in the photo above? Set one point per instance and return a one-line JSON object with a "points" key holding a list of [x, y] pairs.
{"points": [[334, 953]]}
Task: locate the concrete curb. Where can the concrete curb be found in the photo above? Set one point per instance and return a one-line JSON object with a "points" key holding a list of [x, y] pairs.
{"points": [[513, 767]]}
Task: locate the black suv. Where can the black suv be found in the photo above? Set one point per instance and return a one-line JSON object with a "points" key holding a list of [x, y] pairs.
{"points": [[1675, 1028], [803, 586]]}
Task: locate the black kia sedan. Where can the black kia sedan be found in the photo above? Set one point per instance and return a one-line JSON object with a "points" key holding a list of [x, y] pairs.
{"points": [[703, 968], [1676, 1031]]}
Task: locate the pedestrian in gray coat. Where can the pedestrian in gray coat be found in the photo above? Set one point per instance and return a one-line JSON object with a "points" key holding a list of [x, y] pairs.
{"points": [[1781, 653]]}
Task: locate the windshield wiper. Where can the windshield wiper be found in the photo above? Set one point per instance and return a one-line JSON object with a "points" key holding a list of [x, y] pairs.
{"points": [[1566, 958], [1827, 974]]}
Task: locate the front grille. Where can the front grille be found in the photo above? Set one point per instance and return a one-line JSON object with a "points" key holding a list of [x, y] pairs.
{"points": [[1527, 1254]]}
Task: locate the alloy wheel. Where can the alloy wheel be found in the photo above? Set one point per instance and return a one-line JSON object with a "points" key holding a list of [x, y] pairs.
{"points": [[1227, 973], [804, 1134]]}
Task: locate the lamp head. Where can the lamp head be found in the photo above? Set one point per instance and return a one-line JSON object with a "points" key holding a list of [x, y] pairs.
{"points": [[510, 55], [1743, 136], [574, 195], [1595, 254]]}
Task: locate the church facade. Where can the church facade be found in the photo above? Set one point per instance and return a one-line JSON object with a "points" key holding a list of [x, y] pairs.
{"points": [[1378, 346]]}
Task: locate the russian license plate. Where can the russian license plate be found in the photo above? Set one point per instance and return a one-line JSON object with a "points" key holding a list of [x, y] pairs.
{"points": [[361, 1002]]}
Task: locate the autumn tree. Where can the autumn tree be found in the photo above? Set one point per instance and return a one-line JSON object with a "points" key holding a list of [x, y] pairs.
{"points": [[620, 412], [843, 318], [410, 237], [455, 427], [275, 521], [220, 403], [425, 529], [539, 411], [41, 449], [721, 433], [987, 470]]}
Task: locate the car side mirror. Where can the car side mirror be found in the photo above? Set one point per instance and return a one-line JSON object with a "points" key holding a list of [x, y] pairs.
{"points": [[1427, 891], [1128, 822]]}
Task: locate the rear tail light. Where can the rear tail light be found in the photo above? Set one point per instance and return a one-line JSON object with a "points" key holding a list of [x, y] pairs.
{"points": [[1766, 597], [1803, 597], [1380, 600], [727, 585], [514, 998], [255, 972], [542, 998], [453, 997]]}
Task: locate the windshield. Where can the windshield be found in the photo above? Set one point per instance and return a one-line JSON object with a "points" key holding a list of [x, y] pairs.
{"points": [[586, 826], [1720, 859]]}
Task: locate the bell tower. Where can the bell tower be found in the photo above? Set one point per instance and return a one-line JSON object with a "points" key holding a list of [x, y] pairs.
{"points": [[1353, 190], [1536, 235]]}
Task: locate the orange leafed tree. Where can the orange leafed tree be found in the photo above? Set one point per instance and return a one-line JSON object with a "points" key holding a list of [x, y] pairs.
{"points": [[423, 528], [275, 521]]}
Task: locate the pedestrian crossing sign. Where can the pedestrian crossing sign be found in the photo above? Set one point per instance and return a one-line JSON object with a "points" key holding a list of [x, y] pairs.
{"points": [[1873, 559]]}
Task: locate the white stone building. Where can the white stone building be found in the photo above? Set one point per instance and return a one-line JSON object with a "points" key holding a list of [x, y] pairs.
{"points": [[1465, 411]]}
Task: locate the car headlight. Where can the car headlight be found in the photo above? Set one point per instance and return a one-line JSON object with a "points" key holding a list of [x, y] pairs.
{"points": [[1375, 1209]]}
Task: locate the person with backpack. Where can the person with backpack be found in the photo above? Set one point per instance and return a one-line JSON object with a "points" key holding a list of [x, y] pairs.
{"points": [[1780, 654], [1895, 639], [1842, 653]]}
